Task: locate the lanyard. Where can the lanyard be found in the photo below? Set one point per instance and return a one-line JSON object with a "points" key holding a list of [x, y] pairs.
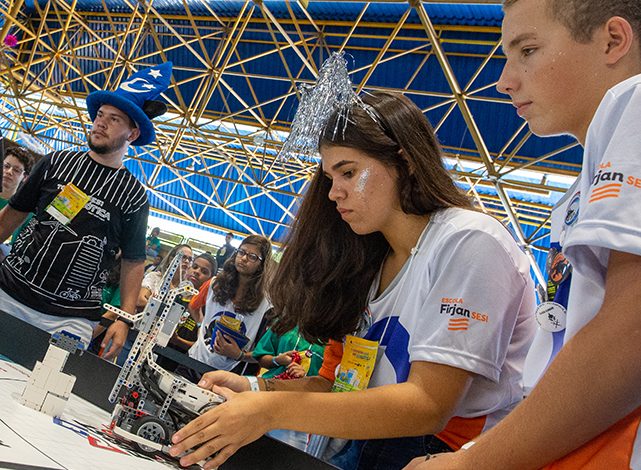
{"points": [[107, 181], [413, 252]]}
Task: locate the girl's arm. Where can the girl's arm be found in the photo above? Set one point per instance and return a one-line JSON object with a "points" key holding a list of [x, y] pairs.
{"points": [[422, 405]]}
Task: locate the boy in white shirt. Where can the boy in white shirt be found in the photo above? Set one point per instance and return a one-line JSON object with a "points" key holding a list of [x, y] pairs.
{"points": [[573, 67]]}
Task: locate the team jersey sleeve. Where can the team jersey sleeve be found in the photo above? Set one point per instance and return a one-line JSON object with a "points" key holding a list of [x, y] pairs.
{"points": [[200, 299], [471, 309], [133, 238], [611, 184], [332, 357], [27, 196], [151, 281], [268, 344]]}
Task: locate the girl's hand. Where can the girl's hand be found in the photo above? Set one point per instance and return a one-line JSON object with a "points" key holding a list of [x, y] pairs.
{"points": [[285, 359], [224, 429], [223, 378], [296, 371], [226, 346], [445, 461]]}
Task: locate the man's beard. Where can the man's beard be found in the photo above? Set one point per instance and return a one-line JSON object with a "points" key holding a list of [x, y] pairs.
{"points": [[105, 149]]}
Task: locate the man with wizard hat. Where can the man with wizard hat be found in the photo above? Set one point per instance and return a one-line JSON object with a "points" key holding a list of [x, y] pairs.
{"points": [[88, 208]]}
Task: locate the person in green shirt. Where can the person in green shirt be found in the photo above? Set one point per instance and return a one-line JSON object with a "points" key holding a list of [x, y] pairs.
{"points": [[288, 356], [276, 354], [15, 168], [153, 243]]}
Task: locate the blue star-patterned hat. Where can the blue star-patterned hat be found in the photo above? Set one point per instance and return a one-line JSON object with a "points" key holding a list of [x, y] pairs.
{"points": [[136, 97]]}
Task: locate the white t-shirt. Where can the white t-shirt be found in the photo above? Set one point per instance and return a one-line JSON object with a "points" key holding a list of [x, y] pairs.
{"points": [[547, 344], [203, 350], [609, 209], [465, 298], [610, 205], [152, 281]]}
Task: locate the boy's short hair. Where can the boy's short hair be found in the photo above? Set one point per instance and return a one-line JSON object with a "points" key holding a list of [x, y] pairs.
{"points": [[210, 259], [22, 155], [582, 17]]}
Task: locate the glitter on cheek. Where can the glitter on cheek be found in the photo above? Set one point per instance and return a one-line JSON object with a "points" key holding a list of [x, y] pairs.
{"points": [[362, 180]]}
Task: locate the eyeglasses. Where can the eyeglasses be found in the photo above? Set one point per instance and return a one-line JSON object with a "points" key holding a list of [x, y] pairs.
{"points": [[14, 169], [250, 256]]}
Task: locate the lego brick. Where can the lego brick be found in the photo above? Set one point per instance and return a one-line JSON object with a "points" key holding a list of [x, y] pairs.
{"points": [[60, 384], [53, 405], [40, 375], [55, 357], [33, 395], [67, 341]]}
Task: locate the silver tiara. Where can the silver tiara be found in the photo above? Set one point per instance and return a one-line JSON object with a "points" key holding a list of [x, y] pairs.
{"points": [[333, 92]]}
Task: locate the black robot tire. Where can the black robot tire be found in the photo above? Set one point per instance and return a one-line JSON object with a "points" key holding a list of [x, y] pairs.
{"points": [[152, 429]]}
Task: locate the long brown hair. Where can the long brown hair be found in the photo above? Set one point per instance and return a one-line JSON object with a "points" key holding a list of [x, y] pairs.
{"points": [[225, 285], [326, 272]]}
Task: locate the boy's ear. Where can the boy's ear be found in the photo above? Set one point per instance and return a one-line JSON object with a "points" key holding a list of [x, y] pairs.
{"points": [[135, 133], [620, 39]]}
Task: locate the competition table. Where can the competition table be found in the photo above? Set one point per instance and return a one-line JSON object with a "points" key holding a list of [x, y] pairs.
{"points": [[77, 441]]}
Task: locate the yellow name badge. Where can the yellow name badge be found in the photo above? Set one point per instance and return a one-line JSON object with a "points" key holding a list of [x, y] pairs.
{"points": [[305, 360], [67, 203], [230, 322], [357, 365]]}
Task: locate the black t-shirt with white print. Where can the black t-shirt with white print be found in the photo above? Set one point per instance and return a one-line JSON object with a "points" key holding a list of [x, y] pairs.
{"points": [[61, 269]]}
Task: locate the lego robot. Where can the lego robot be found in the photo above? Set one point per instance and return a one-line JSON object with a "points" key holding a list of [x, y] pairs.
{"points": [[156, 402], [48, 388]]}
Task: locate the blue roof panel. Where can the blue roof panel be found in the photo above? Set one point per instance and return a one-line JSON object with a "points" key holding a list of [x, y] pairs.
{"points": [[441, 13]]}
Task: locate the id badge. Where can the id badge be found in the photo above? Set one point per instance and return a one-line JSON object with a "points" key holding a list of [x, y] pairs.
{"points": [[305, 360], [551, 316], [233, 323], [357, 365], [558, 266], [67, 204]]}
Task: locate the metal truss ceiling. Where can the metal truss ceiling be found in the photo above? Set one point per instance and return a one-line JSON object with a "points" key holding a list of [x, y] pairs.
{"points": [[236, 70]]}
